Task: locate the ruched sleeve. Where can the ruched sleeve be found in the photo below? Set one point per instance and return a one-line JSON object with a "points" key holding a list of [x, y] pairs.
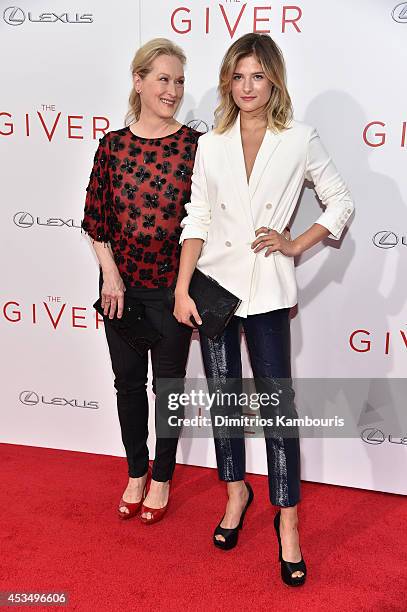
{"points": [[196, 222], [98, 196], [330, 187]]}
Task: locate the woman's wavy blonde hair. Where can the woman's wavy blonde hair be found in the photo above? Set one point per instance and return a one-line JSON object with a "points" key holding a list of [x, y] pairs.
{"points": [[279, 108], [141, 65]]}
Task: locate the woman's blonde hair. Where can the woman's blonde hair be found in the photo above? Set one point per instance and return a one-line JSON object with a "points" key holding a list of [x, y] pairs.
{"points": [[141, 65], [279, 108]]}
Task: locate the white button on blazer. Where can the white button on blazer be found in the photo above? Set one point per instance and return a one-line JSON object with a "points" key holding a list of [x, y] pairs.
{"points": [[283, 161]]}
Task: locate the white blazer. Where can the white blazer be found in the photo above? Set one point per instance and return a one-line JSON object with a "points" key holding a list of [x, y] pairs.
{"points": [[225, 210]]}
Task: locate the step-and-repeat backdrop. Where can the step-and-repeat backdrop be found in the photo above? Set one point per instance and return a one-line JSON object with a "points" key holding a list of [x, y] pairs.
{"points": [[65, 82]]}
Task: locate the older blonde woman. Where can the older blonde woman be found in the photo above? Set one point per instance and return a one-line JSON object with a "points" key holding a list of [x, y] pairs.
{"points": [[247, 178], [135, 200]]}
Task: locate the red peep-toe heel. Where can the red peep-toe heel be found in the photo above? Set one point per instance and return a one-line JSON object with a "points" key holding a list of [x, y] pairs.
{"points": [[134, 508], [156, 513]]}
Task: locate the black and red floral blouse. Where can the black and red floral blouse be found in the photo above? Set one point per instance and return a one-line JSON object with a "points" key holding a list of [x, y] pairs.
{"points": [[135, 200]]}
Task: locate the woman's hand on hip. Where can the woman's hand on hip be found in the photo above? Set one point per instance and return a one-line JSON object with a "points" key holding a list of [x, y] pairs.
{"points": [[273, 241], [112, 293], [184, 309]]}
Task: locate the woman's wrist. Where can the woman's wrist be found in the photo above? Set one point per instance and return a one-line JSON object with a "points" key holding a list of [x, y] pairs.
{"points": [[181, 291], [298, 247], [109, 267]]}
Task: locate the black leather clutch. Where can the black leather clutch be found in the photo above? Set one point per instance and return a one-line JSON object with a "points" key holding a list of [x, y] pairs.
{"points": [[133, 326], [215, 304]]}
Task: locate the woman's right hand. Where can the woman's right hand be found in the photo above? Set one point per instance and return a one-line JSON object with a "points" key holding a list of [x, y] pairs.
{"points": [[184, 309], [112, 293]]}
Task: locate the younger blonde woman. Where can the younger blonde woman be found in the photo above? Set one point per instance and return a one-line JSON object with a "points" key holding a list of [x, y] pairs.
{"points": [[248, 175]]}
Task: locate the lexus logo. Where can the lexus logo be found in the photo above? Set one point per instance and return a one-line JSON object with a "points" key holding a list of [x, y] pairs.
{"points": [[23, 219], [371, 435], [385, 239], [14, 16], [399, 13], [199, 125], [29, 398]]}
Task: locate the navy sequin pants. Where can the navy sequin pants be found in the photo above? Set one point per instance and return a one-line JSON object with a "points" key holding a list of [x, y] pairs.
{"points": [[268, 342]]}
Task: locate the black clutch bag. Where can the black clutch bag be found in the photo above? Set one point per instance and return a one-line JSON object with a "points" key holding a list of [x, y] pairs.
{"points": [[133, 326], [215, 304]]}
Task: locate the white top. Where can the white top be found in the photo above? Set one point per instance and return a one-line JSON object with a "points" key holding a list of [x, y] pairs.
{"points": [[225, 210]]}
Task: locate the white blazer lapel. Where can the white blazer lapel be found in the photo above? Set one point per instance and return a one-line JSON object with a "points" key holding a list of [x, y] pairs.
{"points": [[264, 154], [237, 169]]}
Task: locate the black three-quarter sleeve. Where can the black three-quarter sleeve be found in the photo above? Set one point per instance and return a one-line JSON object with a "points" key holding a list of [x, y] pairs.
{"points": [[98, 196]]}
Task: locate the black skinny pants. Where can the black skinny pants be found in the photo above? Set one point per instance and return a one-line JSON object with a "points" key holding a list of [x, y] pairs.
{"points": [[268, 342], [168, 359]]}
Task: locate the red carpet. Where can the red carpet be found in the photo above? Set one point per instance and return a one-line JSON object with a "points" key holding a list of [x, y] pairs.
{"points": [[59, 532]]}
